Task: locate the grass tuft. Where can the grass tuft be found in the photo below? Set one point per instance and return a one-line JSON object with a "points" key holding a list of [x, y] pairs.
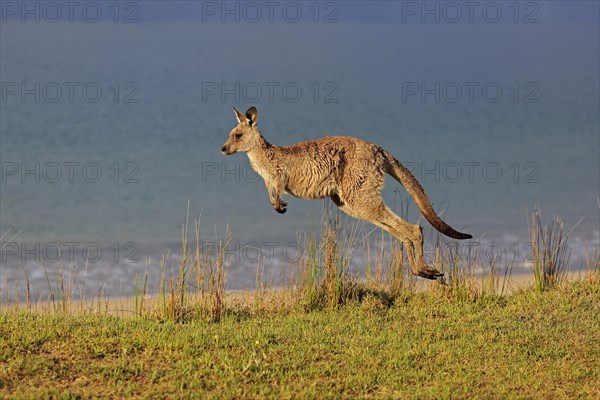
{"points": [[551, 253]]}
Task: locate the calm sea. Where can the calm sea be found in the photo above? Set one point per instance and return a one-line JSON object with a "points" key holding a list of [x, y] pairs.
{"points": [[109, 130]]}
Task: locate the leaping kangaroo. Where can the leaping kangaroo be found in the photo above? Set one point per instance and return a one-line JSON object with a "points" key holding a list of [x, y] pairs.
{"points": [[346, 169]]}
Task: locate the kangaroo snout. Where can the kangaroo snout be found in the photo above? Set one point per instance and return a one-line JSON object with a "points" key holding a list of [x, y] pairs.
{"points": [[226, 150]]}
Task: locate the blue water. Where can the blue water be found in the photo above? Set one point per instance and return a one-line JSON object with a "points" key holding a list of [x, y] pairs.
{"points": [[484, 160]]}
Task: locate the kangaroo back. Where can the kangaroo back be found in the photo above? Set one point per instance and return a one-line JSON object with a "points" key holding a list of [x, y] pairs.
{"points": [[414, 188]]}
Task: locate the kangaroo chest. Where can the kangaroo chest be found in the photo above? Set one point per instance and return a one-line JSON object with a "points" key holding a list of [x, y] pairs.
{"points": [[261, 166], [307, 180]]}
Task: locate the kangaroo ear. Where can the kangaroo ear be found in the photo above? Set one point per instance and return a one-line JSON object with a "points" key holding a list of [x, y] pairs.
{"points": [[241, 118], [252, 115]]}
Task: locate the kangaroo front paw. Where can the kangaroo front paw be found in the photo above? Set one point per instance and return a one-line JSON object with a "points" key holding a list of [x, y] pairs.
{"points": [[281, 209], [280, 206]]}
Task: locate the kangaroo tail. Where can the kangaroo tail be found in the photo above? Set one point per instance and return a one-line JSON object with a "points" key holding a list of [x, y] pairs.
{"points": [[414, 188]]}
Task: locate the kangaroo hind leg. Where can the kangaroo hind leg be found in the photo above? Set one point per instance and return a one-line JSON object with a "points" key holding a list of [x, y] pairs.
{"points": [[411, 235]]}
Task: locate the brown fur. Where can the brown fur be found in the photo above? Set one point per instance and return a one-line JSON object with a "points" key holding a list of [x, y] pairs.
{"points": [[346, 169]]}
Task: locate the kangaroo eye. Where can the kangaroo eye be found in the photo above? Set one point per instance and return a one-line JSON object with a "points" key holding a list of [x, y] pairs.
{"points": [[238, 136]]}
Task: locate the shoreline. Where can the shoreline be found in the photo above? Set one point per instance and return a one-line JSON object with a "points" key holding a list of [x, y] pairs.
{"points": [[267, 298]]}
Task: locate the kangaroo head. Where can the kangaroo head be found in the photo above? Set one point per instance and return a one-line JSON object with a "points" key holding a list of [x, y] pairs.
{"points": [[245, 136]]}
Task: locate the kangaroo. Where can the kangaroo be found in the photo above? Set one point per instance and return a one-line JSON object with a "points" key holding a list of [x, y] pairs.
{"points": [[346, 169]]}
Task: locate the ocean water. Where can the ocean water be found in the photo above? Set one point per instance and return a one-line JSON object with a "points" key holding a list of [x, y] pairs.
{"points": [[110, 131]]}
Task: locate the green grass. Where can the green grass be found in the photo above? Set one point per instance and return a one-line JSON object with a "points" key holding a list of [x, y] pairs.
{"points": [[325, 334], [426, 345]]}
